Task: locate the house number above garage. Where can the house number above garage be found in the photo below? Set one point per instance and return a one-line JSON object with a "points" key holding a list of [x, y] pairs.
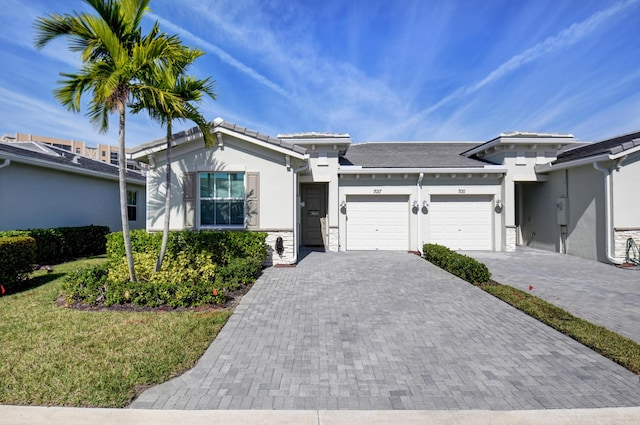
{"points": [[462, 191], [377, 191]]}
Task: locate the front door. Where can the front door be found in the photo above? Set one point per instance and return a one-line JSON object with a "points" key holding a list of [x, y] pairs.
{"points": [[314, 214]]}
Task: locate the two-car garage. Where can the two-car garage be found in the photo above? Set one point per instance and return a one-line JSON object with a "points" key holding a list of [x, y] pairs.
{"points": [[383, 222]]}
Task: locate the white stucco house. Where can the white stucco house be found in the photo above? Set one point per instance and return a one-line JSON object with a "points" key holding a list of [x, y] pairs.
{"points": [[320, 190], [589, 204], [42, 186]]}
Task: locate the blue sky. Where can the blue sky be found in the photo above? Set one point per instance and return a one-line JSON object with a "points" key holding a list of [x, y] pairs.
{"points": [[392, 70]]}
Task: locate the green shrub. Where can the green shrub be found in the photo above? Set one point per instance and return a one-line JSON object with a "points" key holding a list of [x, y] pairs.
{"points": [[239, 272], [60, 244], [464, 267], [18, 254], [184, 281], [86, 285], [222, 245], [141, 241], [199, 268]]}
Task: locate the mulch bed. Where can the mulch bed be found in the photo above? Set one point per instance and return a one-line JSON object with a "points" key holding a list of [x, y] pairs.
{"points": [[233, 299]]}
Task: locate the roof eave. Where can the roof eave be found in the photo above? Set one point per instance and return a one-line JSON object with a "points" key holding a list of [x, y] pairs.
{"points": [[64, 167], [522, 139], [155, 147], [356, 169], [546, 168]]}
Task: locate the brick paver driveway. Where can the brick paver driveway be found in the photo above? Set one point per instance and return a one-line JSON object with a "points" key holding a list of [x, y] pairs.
{"points": [[388, 330], [597, 292]]}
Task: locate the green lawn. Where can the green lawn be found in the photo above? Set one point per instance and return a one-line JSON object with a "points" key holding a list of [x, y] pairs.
{"points": [[63, 357], [623, 351]]}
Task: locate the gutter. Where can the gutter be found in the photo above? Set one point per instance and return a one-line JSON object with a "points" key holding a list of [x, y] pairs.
{"points": [[608, 217], [548, 167], [6, 163], [487, 169], [296, 171]]}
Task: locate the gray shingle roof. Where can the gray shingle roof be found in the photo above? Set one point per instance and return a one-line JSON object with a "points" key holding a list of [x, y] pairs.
{"points": [[410, 155], [54, 155], [610, 146]]}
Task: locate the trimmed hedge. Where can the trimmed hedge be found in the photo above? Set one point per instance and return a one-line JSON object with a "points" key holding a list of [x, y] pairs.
{"points": [[60, 244], [222, 245], [464, 267], [200, 268], [18, 254]]}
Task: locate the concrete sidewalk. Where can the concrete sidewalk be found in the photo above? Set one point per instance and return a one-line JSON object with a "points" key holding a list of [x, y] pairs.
{"points": [[15, 415], [600, 293]]}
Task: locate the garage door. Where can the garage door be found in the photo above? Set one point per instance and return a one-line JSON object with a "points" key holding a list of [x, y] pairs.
{"points": [[377, 222], [461, 222]]}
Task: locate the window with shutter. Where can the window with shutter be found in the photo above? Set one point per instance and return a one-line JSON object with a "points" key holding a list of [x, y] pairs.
{"points": [[222, 199], [253, 200], [189, 200]]}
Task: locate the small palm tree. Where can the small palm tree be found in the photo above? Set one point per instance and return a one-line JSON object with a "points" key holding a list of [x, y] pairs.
{"points": [[116, 57], [187, 90]]}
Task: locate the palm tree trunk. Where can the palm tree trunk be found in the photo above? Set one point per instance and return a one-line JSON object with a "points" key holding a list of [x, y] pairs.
{"points": [[167, 202], [122, 162]]}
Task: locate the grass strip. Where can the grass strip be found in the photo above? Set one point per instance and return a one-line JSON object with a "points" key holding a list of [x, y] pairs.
{"points": [[621, 350], [57, 356]]}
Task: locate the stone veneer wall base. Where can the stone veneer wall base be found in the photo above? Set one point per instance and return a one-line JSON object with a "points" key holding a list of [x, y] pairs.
{"points": [[288, 256], [620, 241]]}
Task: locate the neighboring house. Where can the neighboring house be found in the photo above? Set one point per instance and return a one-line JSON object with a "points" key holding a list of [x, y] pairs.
{"points": [[103, 153], [42, 186], [589, 205]]}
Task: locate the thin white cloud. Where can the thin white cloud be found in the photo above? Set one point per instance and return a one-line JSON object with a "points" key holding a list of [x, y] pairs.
{"points": [[326, 91], [564, 38], [223, 55]]}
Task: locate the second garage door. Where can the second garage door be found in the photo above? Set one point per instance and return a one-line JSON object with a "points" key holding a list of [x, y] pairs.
{"points": [[377, 223], [461, 222]]}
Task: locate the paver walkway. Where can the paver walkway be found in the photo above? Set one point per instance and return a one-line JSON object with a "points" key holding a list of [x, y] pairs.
{"points": [[388, 330], [597, 292]]}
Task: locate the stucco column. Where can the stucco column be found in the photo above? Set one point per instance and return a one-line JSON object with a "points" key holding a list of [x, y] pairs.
{"points": [[509, 214]]}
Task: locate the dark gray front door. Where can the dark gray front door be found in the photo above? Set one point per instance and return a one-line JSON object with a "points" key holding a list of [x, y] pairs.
{"points": [[314, 214]]}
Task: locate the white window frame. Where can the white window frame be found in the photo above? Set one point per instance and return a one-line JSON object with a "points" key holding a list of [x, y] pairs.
{"points": [[199, 202]]}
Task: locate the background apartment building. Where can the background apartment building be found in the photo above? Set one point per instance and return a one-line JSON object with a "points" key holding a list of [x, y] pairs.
{"points": [[104, 153]]}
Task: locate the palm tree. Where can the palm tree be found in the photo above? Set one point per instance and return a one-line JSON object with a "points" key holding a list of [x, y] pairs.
{"points": [[116, 57], [187, 89]]}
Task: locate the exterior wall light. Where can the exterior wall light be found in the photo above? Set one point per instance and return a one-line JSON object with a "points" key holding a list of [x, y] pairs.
{"points": [[279, 245], [415, 204], [425, 204], [499, 203], [343, 204]]}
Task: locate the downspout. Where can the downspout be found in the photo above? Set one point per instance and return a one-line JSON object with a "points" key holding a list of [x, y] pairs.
{"points": [[296, 171], [6, 163], [419, 190], [608, 219]]}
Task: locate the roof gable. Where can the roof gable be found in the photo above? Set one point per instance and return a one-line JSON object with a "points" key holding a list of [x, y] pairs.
{"points": [[219, 126]]}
